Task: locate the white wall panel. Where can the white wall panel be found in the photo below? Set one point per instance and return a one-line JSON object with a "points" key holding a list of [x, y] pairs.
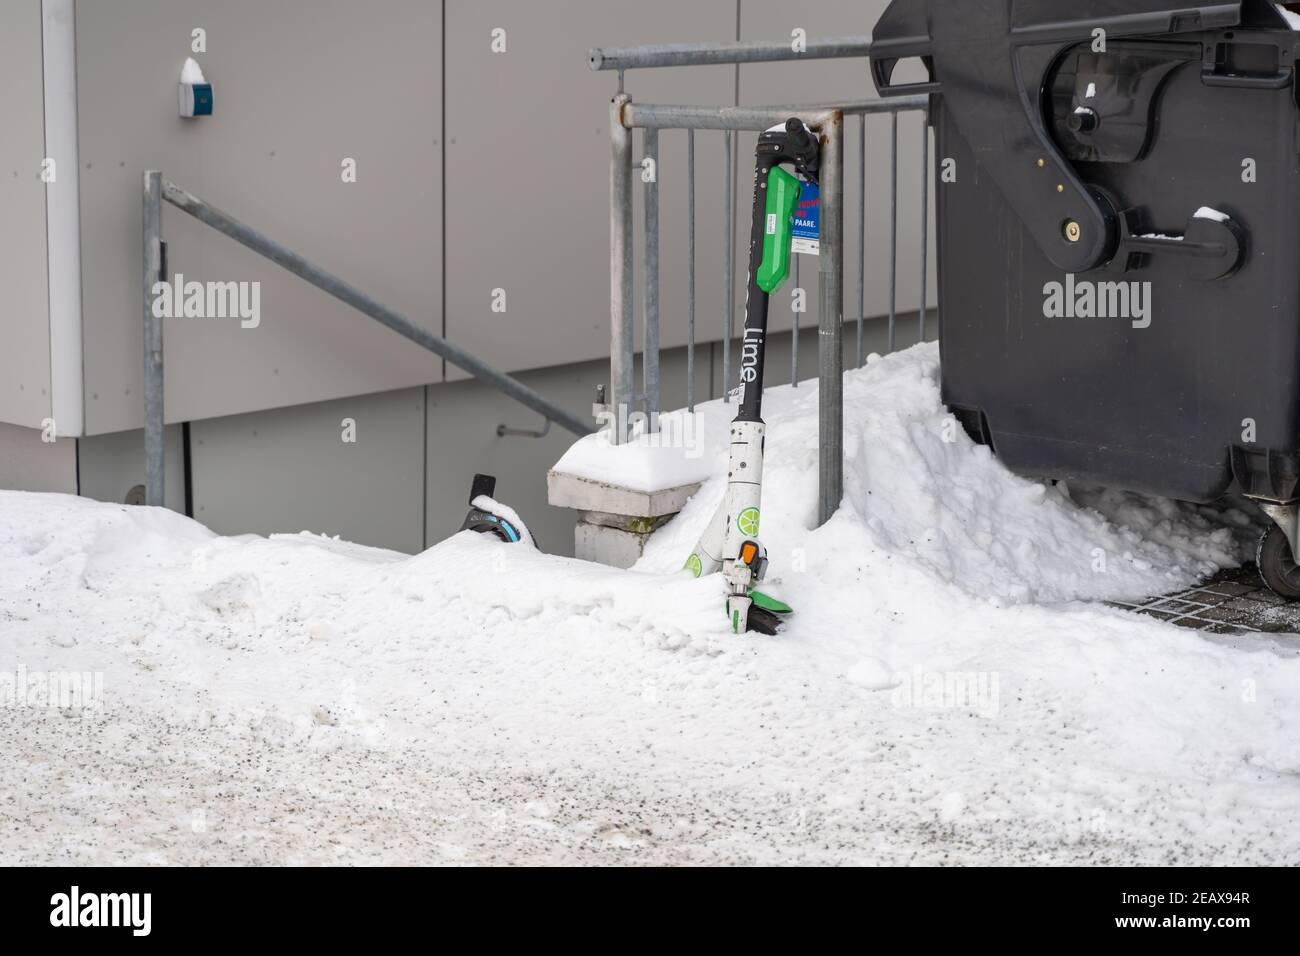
{"points": [[24, 307]]}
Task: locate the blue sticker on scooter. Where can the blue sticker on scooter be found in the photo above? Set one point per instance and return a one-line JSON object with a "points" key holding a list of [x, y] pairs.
{"points": [[807, 221]]}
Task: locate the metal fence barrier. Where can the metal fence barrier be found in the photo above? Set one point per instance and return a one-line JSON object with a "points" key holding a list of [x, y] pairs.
{"points": [[825, 119]]}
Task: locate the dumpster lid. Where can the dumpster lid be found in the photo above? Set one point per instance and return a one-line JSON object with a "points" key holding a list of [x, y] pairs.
{"points": [[990, 62], [1125, 17], [904, 28]]}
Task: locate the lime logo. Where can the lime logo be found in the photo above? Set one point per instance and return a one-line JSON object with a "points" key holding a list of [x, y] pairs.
{"points": [[693, 565], [747, 521]]}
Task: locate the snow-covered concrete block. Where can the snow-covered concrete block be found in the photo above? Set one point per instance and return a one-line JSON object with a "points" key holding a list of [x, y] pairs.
{"points": [[586, 494], [624, 492]]}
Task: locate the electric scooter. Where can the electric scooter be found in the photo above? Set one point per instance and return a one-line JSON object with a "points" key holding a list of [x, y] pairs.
{"points": [[730, 542]]}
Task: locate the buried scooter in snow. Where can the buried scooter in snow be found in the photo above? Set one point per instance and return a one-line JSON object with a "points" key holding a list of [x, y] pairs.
{"points": [[487, 516]]}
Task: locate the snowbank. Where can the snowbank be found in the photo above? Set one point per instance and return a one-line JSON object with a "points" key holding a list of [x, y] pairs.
{"points": [[302, 699], [922, 494]]}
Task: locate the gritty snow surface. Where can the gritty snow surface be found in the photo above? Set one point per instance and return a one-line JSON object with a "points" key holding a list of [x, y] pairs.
{"points": [[951, 688]]}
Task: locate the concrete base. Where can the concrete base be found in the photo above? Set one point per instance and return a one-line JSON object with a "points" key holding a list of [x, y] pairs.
{"points": [[618, 549], [614, 523]]}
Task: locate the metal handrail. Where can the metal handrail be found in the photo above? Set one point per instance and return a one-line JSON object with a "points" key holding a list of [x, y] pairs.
{"points": [[709, 54], [157, 189]]}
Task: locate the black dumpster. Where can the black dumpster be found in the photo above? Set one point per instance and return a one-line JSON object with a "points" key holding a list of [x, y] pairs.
{"points": [[1118, 195]]}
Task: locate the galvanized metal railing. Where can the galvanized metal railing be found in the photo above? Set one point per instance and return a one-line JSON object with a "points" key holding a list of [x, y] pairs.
{"points": [[156, 191], [826, 119]]}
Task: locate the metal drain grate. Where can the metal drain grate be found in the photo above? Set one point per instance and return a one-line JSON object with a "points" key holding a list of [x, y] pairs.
{"points": [[1232, 602]]}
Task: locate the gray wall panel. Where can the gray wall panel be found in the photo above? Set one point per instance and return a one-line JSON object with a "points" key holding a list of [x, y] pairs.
{"points": [[24, 311], [112, 465], [298, 86], [29, 464], [288, 470], [528, 172]]}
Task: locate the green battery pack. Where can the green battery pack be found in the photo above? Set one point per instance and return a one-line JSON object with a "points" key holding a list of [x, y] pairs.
{"points": [[778, 225]]}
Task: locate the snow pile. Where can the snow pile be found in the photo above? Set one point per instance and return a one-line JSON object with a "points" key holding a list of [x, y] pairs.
{"points": [[191, 72], [300, 699], [922, 494]]}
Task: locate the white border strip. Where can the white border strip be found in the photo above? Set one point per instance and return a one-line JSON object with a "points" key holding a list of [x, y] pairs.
{"points": [[63, 217]]}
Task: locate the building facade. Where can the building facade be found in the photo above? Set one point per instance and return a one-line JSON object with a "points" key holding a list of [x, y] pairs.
{"points": [[451, 160]]}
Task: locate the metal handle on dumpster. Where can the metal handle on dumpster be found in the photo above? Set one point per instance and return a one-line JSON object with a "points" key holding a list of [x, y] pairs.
{"points": [[1208, 248], [1264, 61], [882, 72], [1277, 81]]}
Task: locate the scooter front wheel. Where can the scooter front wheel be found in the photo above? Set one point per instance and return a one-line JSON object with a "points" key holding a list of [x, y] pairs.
{"points": [[763, 621]]}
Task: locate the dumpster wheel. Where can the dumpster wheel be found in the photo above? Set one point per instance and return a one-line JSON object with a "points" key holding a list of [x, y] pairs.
{"points": [[1277, 566]]}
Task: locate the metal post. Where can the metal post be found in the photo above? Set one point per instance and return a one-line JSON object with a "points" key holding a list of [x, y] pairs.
{"points": [[690, 270], [729, 264], [925, 219], [893, 227], [153, 341], [862, 228], [650, 342], [830, 361], [620, 268]]}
